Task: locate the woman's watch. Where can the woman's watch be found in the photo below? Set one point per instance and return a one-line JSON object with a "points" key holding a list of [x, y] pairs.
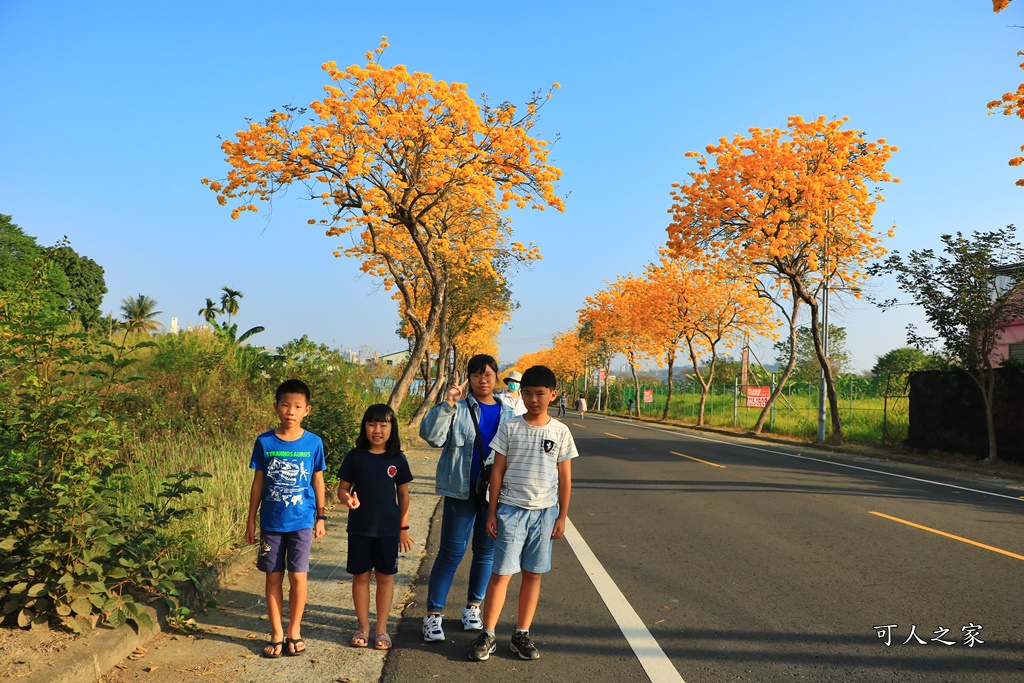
{"points": [[321, 517]]}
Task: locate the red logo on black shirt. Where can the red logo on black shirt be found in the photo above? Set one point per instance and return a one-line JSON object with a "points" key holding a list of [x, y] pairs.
{"points": [[392, 471]]}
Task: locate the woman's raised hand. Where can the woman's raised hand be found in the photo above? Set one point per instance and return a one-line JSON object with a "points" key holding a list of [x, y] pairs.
{"points": [[456, 390]]}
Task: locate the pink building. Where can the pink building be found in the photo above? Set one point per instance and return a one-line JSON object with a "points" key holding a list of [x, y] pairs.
{"points": [[1011, 341]]}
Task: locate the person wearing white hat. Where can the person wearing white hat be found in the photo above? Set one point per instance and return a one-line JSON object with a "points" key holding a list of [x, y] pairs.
{"points": [[510, 395]]}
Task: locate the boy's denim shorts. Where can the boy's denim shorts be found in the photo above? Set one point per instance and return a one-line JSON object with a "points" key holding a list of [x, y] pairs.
{"points": [[524, 540], [281, 550]]}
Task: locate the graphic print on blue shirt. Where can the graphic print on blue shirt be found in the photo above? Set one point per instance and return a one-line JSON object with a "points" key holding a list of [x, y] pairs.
{"points": [[289, 502]]}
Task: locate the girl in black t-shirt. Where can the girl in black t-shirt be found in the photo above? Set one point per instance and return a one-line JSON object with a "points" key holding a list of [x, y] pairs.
{"points": [[374, 486]]}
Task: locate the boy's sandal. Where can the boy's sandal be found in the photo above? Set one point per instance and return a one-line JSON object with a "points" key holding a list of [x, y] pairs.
{"points": [[274, 647], [294, 650], [358, 639], [382, 642]]}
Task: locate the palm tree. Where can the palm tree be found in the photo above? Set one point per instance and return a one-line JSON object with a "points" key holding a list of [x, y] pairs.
{"points": [[229, 301], [139, 313], [210, 311]]}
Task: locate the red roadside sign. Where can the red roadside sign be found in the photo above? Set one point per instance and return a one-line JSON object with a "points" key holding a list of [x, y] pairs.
{"points": [[757, 397]]}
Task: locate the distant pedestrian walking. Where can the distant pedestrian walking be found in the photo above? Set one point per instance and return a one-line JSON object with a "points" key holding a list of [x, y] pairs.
{"points": [[629, 409], [562, 402], [581, 406]]}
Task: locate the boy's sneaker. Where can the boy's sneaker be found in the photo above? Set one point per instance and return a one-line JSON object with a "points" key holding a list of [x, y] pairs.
{"points": [[432, 630], [523, 646], [483, 646], [471, 620]]}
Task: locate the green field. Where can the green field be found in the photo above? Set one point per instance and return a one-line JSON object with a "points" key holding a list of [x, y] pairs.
{"points": [[866, 416]]}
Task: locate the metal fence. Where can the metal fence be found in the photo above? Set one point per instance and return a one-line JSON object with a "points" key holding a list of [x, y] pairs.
{"points": [[872, 410]]}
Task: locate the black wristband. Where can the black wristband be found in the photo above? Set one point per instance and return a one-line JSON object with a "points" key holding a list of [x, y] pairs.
{"points": [[403, 528], [323, 517]]}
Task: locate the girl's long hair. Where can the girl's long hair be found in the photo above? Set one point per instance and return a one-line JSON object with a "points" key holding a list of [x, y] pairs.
{"points": [[380, 412]]}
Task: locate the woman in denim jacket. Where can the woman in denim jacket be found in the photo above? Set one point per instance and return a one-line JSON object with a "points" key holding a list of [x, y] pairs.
{"points": [[449, 425]]}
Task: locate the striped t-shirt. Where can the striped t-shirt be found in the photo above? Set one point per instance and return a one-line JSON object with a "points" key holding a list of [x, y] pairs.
{"points": [[533, 454]]}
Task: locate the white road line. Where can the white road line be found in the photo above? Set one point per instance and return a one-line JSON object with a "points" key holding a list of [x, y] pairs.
{"points": [[829, 462], [654, 660]]}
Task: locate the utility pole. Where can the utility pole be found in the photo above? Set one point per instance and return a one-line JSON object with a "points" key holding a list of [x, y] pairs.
{"points": [[824, 347]]}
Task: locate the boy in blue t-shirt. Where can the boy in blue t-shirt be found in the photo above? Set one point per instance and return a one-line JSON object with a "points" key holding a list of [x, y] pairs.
{"points": [[288, 491]]}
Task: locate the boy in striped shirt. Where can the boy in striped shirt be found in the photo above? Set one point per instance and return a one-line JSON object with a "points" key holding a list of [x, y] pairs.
{"points": [[533, 479]]}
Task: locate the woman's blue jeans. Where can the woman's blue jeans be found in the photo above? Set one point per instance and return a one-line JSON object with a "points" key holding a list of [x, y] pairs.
{"points": [[461, 521]]}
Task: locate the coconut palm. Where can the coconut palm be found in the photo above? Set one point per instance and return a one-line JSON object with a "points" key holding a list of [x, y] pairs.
{"points": [[210, 311], [229, 301], [139, 313]]}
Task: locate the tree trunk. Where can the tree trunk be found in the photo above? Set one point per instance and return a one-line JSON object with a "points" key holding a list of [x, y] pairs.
{"points": [[607, 374], [443, 350], [430, 400], [987, 383], [826, 369], [670, 361], [425, 334], [763, 417], [636, 382], [705, 386]]}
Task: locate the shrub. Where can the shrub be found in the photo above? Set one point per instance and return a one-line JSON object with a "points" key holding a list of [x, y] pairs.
{"points": [[69, 553]]}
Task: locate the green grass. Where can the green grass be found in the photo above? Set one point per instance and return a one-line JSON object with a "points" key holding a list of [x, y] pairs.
{"points": [[865, 420], [217, 524]]}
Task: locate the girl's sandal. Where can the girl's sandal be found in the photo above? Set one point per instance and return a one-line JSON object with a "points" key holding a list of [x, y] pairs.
{"points": [[382, 642], [272, 650], [358, 639]]}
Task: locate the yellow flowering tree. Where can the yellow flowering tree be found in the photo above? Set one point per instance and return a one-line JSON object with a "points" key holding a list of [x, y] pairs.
{"points": [[412, 166], [619, 316], [707, 308], [1011, 103], [793, 209], [567, 357]]}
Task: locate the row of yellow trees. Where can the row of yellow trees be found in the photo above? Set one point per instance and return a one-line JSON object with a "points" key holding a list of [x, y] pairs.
{"points": [[773, 219], [420, 175], [767, 223]]}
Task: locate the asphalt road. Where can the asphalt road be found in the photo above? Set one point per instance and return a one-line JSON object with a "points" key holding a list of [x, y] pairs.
{"points": [[717, 559]]}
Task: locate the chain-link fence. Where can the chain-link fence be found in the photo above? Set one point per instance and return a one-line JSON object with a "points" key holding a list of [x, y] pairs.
{"points": [[872, 410]]}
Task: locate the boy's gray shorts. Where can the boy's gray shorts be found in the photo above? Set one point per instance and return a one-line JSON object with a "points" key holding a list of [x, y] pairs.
{"points": [[284, 550]]}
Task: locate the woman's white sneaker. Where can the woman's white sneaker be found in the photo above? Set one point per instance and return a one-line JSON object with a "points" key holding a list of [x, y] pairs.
{"points": [[471, 620], [432, 630]]}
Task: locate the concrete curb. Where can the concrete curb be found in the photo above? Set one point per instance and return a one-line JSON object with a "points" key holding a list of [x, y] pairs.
{"points": [[104, 648]]}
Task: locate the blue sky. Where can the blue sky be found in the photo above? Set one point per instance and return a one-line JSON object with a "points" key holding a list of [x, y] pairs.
{"points": [[112, 112]]}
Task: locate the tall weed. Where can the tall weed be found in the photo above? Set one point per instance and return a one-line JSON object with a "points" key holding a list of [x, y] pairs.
{"points": [[216, 525]]}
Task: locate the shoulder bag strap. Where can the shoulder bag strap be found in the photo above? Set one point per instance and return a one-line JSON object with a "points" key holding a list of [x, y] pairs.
{"points": [[476, 426]]}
